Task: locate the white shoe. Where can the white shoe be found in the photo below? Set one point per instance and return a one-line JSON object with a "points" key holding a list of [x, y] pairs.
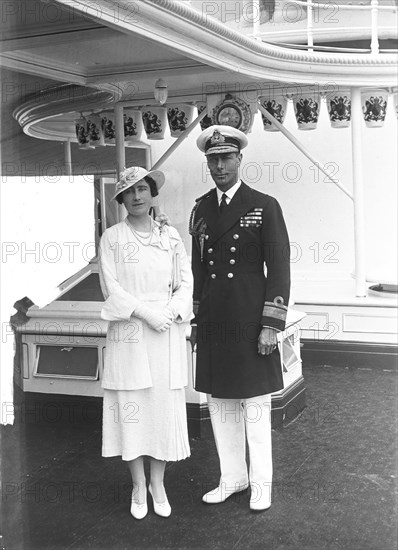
{"points": [[222, 492], [260, 498], [162, 509], [138, 511]]}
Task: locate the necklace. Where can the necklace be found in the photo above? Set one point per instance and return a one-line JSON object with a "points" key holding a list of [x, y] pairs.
{"points": [[146, 239]]}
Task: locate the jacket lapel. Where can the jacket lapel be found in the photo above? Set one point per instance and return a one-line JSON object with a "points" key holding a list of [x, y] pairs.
{"points": [[241, 202]]}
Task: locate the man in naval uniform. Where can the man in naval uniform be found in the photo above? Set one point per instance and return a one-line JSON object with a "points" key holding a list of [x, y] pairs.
{"points": [[238, 234]]}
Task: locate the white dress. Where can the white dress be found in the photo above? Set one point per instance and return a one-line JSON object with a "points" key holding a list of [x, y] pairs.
{"points": [[144, 410]]}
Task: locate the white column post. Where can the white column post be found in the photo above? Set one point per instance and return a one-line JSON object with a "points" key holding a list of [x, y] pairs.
{"points": [[357, 176], [120, 152], [374, 44], [256, 18], [68, 158], [148, 158], [310, 25]]}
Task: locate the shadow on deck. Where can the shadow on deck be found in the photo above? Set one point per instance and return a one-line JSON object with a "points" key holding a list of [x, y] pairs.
{"points": [[334, 479]]}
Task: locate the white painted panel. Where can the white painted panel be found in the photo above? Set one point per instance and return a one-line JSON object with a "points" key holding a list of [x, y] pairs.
{"points": [[316, 322], [385, 324]]}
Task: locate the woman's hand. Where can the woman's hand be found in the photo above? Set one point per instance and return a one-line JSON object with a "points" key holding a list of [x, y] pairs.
{"points": [[158, 320], [170, 312], [164, 323]]}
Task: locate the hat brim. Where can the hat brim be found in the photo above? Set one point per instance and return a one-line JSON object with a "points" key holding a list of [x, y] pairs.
{"points": [[157, 176], [220, 149], [231, 138]]}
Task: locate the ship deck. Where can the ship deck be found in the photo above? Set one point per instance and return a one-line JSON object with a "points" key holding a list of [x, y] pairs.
{"points": [[334, 477]]}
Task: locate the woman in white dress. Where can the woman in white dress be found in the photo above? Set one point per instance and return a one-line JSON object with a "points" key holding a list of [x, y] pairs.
{"points": [[146, 280]]}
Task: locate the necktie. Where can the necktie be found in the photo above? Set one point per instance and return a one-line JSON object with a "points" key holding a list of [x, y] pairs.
{"points": [[223, 203]]}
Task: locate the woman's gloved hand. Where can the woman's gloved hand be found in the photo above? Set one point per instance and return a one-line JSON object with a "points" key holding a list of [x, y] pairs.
{"points": [[158, 320], [171, 312]]}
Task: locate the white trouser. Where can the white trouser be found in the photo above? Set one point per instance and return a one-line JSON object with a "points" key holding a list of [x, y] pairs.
{"points": [[234, 420]]}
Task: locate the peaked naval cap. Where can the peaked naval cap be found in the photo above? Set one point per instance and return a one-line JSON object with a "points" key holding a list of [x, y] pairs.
{"points": [[130, 176], [216, 140]]}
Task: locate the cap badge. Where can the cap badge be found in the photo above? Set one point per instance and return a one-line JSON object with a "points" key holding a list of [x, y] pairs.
{"points": [[217, 138]]}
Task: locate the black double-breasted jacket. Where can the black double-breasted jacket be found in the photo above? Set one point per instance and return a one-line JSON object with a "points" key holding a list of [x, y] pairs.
{"points": [[241, 267]]}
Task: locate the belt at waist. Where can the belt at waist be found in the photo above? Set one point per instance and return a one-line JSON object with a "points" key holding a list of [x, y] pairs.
{"points": [[224, 273], [154, 296]]}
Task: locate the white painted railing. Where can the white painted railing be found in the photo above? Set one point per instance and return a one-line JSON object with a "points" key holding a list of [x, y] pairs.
{"points": [[313, 8]]}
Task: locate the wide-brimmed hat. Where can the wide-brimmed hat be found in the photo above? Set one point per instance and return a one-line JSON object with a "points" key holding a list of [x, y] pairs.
{"points": [[130, 176], [216, 140]]}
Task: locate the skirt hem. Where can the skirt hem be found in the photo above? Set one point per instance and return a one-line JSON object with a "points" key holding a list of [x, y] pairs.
{"points": [[113, 454]]}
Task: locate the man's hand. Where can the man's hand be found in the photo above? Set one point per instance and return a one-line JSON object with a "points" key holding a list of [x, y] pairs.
{"points": [[193, 337], [267, 341]]}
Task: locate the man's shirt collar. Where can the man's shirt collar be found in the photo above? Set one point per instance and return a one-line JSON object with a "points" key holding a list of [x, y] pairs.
{"points": [[230, 193]]}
